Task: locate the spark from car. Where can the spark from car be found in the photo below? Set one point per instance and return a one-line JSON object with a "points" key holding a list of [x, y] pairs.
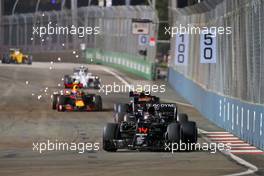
{"points": [[59, 59]]}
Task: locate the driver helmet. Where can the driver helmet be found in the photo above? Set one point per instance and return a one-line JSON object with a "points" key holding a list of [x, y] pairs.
{"points": [[151, 110], [150, 113], [75, 89]]}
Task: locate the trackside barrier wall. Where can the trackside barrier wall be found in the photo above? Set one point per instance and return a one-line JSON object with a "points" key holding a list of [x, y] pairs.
{"points": [[129, 63], [230, 92], [114, 24], [243, 119]]}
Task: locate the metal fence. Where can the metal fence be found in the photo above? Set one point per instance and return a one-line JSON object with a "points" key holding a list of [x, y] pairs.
{"points": [[115, 29], [239, 71]]}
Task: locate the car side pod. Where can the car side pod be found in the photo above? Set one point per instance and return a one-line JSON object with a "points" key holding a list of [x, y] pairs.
{"points": [[110, 133]]}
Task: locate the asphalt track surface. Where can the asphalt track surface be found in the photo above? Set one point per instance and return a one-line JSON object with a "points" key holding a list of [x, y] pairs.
{"points": [[25, 117]]}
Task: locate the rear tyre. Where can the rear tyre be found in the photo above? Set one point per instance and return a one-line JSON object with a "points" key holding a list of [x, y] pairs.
{"points": [[67, 79], [98, 103], [173, 132], [96, 84], [122, 108], [54, 101], [29, 62], [189, 132], [183, 118], [110, 133], [4, 59]]}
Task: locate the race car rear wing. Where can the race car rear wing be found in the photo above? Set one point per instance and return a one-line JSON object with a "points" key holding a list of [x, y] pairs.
{"points": [[137, 94], [166, 109]]}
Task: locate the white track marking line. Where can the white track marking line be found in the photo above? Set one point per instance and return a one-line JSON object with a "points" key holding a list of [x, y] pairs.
{"points": [[245, 144], [246, 151], [219, 135], [230, 142], [116, 75], [127, 84], [244, 147], [224, 139], [251, 168], [215, 132]]}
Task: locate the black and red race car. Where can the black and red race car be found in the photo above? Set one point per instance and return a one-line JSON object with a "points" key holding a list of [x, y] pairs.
{"points": [[151, 130], [76, 101], [138, 100]]}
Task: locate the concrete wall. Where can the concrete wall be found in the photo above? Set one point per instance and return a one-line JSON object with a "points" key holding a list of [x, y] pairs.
{"points": [[241, 118]]}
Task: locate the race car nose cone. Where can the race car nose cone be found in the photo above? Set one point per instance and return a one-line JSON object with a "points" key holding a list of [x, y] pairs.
{"points": [[79, 103]]}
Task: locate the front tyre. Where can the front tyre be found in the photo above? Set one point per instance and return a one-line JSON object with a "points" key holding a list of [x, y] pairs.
{"points": [[54, 101], [110, 133], [98, 103], [61, 103], [4, 59], [119, 117]]}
